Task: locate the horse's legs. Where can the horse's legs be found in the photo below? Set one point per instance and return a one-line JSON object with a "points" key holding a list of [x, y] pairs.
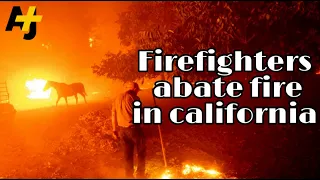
{"points": [[66, 98], [84, 97], [76, 96], [58, 100]]}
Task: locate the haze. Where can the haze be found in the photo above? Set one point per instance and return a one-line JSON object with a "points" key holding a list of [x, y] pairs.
{"points": [[61, 49]]}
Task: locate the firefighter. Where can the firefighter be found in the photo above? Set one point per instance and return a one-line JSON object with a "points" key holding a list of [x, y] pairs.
{"points": [[131, 135]]}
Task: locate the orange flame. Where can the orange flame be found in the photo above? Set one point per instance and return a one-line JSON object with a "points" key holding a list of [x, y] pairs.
{"points": [[166, 175], [91, 42], [35, 88], [196, 169], [189, 170]]}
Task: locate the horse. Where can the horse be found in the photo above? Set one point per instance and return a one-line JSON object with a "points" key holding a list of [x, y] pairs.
{"points": [[67, 90]]}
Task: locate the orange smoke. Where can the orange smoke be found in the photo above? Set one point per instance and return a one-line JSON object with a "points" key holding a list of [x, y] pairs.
{"points": [[35, 88]]}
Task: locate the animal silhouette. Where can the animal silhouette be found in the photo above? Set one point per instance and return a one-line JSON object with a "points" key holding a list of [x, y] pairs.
{"points": [[66, 90]]}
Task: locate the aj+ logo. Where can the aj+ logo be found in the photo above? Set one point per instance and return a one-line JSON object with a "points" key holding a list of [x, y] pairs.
{"points": [[25, 22]]}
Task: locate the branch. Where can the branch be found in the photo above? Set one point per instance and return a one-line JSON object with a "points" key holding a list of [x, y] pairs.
{"points": [[253, 36]]}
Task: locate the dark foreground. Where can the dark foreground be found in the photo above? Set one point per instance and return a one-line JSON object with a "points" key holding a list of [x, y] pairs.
{"points": [[32, 145]]}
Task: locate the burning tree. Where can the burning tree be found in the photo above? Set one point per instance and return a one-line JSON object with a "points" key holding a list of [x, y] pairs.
{"points": [[186, 27]]}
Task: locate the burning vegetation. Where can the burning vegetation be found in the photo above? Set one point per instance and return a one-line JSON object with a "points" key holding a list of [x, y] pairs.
{"points": [[35, 88], [191, 171]]}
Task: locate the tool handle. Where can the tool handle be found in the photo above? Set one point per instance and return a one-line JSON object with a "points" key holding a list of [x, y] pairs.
{"points": [[161, 141], [162, 147]]}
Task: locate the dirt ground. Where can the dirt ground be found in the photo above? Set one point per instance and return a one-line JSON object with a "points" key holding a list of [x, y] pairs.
{"points": [[29, 142]]}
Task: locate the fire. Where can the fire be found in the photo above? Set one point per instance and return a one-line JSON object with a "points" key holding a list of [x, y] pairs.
{"points": [[94, 93], [166, 175], [91, 42], [188, 169], [36, 89], [193, 170]]}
